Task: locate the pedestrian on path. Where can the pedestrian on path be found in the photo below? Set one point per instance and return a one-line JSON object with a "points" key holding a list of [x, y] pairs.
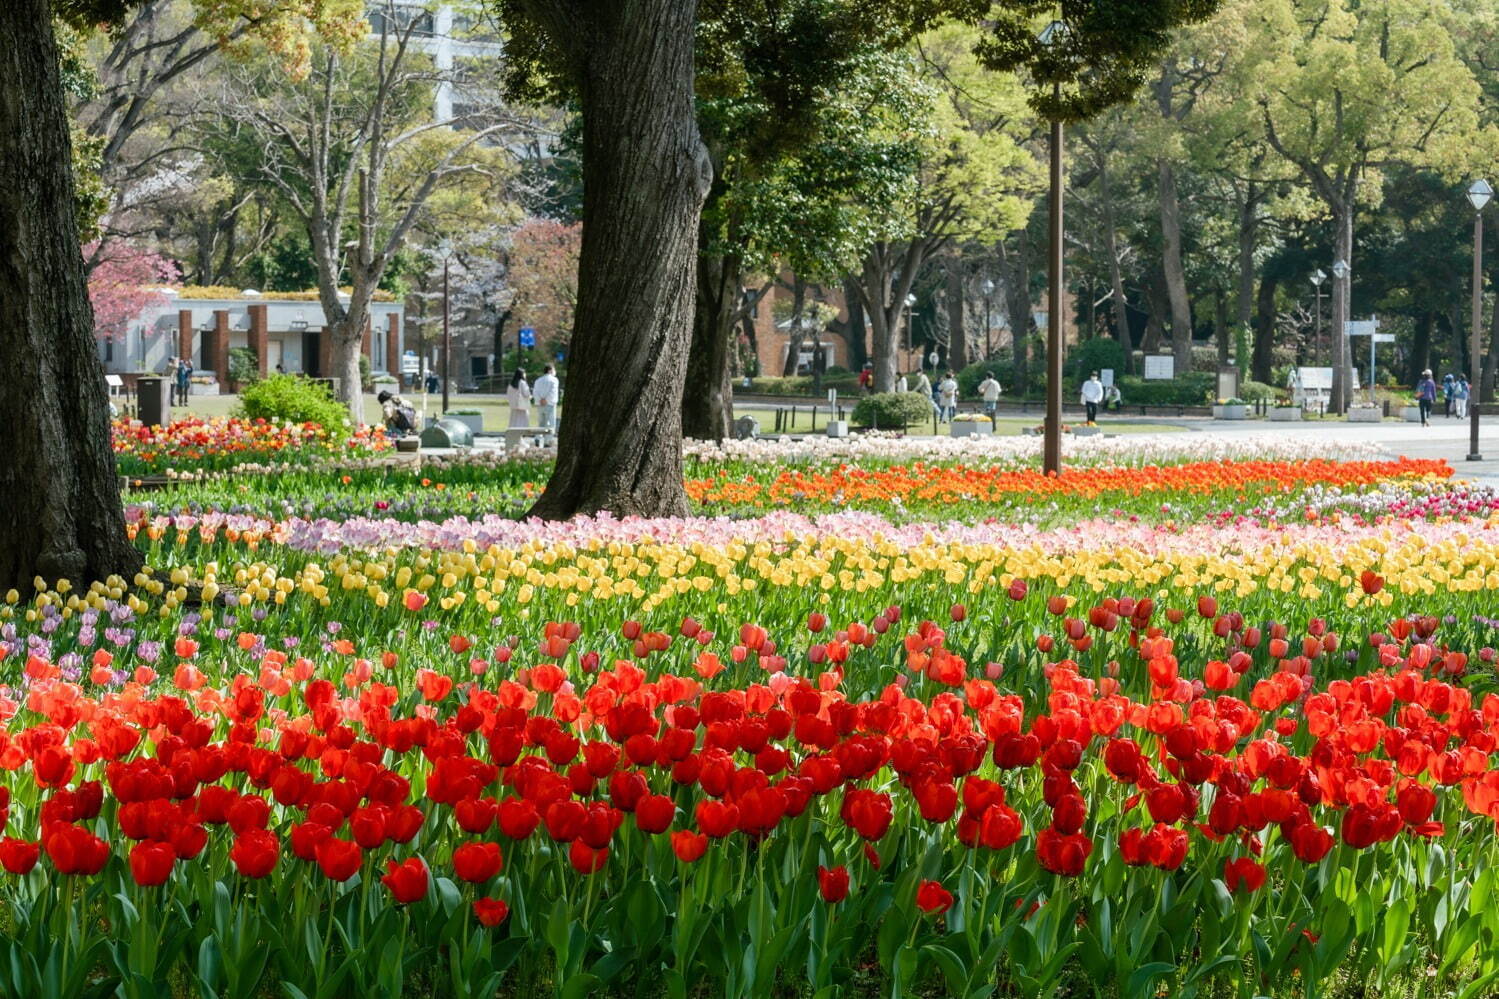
{"points": [[1449, 393], [1460, 396], [545, 394], [989, 391], [1426, 396], [1092, 396], [947, 397], [924, 387], [519, 397]]}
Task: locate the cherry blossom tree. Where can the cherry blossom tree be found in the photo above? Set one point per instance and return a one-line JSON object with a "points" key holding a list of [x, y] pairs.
{"points": [[126, 281]]}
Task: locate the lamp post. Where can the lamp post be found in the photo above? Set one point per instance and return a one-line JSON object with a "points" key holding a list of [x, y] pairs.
{"points": [[447, 333], [910, 333], [1318, 276], [1054, 35], [1479, 193], [988, 289], [1341, 346]]}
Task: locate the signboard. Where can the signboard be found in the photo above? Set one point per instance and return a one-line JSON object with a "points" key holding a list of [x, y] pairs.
{"points": [[1106, 376], [1316, 379], [1384, 338], [410, 363], [1160, 367], [527, 336], [1360, 327]]}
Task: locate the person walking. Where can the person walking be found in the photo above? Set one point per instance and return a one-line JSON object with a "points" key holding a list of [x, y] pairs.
{"points": [[1092, 395], [902, 384], [1460, 394], [1449, 390], [519, 397], [545, 394], [947, 397], [184, 380], [1426, 396], [866, 378], [989, 391], [924, 387]]}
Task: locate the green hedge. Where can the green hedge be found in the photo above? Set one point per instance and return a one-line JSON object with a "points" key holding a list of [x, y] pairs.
{"points": [[846, 384], [1191, 389], [892, 410], [293, 399]]}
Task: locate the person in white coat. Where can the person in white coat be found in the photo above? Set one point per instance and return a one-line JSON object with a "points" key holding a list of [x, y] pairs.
{"points": [[519, 397], [924, 387], [989, 391], [545, 394], [1092, 396], [947, 397]]}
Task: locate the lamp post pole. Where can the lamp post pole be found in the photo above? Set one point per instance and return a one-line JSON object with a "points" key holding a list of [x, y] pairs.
{"points": [[1052, 452], [447, 337], [1479, 194], [1318, 276]]}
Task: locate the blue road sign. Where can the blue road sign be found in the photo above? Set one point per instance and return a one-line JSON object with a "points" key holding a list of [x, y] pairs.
{"points": [[527, 336]]}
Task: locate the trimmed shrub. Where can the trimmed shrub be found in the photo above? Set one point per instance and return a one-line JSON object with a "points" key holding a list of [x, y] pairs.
{"points": [[244, 365], [1191, 389], [1095, 355], [293, 399], [1252, 391], [846, 384], [892, 410]]}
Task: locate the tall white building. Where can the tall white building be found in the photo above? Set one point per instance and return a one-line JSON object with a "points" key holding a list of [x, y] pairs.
{"points": [[449, 35]]}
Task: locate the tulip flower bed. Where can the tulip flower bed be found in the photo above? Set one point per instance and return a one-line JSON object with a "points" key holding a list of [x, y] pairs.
{"points": [[196, 444], [1138, 795]]}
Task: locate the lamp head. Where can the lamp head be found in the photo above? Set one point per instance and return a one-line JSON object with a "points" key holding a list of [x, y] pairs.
{"points": [[1479, 193], [1340, 269], [1318, 276]]}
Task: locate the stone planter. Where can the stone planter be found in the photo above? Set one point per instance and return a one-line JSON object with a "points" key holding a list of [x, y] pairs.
{"points": [[475, 421], [1411, 414], [838, 428], [968, 428], [408, 445], [1286, 414], [1231, 412], [1365, 414], [1086, 431]]}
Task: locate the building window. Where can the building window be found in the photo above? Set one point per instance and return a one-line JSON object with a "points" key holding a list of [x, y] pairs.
{"points": [[109, 349]]}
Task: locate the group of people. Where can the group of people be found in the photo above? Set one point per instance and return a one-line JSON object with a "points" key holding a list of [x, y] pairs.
{"points": [[400, 417], [1455, 392], [179, 374], [944, 394]]}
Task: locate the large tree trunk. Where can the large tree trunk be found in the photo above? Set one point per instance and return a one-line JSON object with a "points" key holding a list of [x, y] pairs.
{"points": [[1220, 327], [1119, 303], [1261, 356], [797, 331], [1249, 234], [1420, 355], [957, 327], [1017, 268], [1491, 357], [62, 516], [645, 175], [1176, 275], [858, 351], [707, 398], [885, 335], [1155, 301]]}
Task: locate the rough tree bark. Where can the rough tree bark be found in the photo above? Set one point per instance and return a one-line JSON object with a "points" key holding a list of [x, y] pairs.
{"points": [[1261, 353], [796, 333], [1119, 301], [1220, 326], [1171, 264], [645, 175], [957, 325], [858, 350], [1342, 383], [62, 518], [1017, 273], [707, 398]]}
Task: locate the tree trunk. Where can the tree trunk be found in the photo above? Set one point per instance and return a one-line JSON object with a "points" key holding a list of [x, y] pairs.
{"points": [[707, 398], [1342, 387], [858, 351], [1420, 356], [796, 332], [1176, 275], [62, 516], [1155, 294], [645, 175], [1261, 356], [883, 334], [1017, 282], [1119, 303], [1249, 234], [1220, 327], [957, 332]]}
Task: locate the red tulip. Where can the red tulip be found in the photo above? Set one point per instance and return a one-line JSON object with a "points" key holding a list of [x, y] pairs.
{"points": [[477, 862], [1243, 875], [255, 852], [339, 858], [406, 880], [18, 856], [490, 911], [518, 818], [688, 846], [151, 862], [833, 883], [932, 898], [585, 859], [654, 813]]}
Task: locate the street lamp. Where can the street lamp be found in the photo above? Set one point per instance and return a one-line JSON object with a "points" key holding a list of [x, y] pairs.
{"points": [[447, 334], [1342, 349], [910, 334], [988, 289], [1055, 35], [1479, 193], [1318, 276]]}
